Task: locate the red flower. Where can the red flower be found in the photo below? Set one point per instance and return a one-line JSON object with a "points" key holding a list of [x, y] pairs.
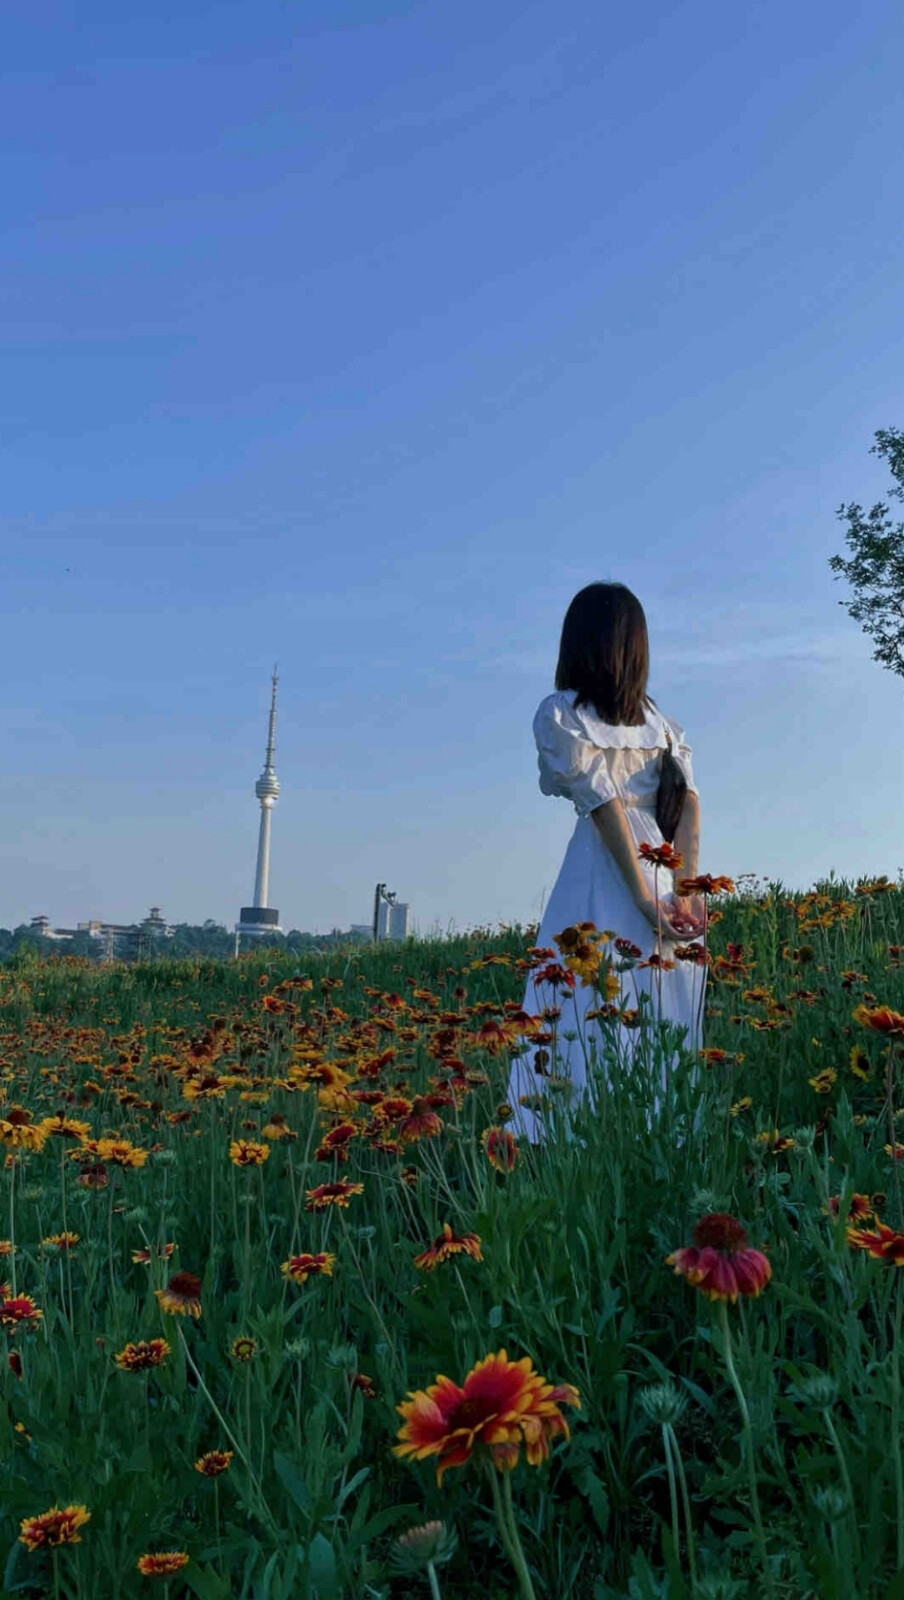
{"points": [[300, 1268], [500, 1147], [331, 1194], [883, 1243], [20, 1309], [448, 1245], [720, 1263], [501, 1405]]}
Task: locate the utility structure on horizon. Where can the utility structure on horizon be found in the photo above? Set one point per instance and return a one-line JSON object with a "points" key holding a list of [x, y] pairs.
{"points": [[260, 918]]}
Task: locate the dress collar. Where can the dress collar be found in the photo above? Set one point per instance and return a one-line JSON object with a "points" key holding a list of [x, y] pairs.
{"points": [[647, 735]]}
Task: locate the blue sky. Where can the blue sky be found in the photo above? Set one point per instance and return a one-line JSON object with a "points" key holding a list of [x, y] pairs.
{"points": [[358, 337]]}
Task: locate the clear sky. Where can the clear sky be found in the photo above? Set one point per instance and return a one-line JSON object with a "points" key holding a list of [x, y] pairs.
{"points": [[359, 337]]}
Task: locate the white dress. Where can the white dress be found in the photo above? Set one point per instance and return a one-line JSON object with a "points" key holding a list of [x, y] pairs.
{"points": [[589, 762]]}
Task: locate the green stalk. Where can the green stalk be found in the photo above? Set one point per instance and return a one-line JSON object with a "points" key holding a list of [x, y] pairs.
{"points": [[686, 1506], [12, 1221], [845, 1476], [512, 1547], [521, 1568], [433, 1581], [673, 1490], [895, 1420], [748, 1446]]}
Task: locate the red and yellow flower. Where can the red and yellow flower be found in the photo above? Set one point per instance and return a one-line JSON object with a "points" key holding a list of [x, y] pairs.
{"points": [[331, 1194], [162, 1563], [141, 1356], [54, 1527], [500, 1148], [501, 1405], [19, 1310], [300, 1268], [213, 1462], [182, 1295], [248, 1153], [882, 1242], [447, 1245], [720, 1263], [61, 1241]]}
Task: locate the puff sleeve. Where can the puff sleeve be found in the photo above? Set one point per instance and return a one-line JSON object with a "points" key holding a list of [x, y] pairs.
{"points": [[681, 750], [570, 764]]}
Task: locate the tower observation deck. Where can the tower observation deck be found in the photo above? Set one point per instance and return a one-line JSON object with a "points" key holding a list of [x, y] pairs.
{"points": [[261, 918]]}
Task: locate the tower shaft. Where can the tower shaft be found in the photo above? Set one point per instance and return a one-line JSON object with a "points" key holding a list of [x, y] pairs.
{"points": [[262, 875]]}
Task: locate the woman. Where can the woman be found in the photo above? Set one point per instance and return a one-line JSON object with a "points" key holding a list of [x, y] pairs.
{"points": [[600, 741]]}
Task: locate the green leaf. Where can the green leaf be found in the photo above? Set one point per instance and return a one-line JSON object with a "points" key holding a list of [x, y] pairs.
{"points": [[206, 1583], [321, 1561], [292, 1481], [494, 1316]]}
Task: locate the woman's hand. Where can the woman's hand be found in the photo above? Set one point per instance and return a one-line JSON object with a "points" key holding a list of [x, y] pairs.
{"points": [[662, 923], [691, 907], [671, 919]]}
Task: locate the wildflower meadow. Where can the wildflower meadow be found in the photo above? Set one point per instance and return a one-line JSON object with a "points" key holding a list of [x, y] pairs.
{"points": [[289, 1310]]}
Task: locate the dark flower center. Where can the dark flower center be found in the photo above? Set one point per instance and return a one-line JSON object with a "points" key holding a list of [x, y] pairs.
{"points": [[719, 1231]]}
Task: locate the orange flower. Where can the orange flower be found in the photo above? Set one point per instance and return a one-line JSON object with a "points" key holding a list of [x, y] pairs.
{"points": [[361, 1381], [300, 1268], [720, 1263], [446, 1246], [331, 1194], [501, 1405], [884, 1244], [500, 1148], [54, 1527], [20, 1309], [139, 1357], [245, 1153], [162, 1563], [214, 1462], [182, 1295]]}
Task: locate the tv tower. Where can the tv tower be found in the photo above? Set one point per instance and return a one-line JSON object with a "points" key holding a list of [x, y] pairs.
{"points": [[260, 918]]}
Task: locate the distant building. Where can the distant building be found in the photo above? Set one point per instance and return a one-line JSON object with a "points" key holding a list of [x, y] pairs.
{"points": [[390, 916], [122, 941]]}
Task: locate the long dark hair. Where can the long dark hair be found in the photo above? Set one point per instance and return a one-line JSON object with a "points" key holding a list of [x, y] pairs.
{"points": [[604, 653]]}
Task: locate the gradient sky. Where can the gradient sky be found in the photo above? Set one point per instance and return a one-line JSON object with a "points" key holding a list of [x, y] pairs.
{"points": [[359, 337]]}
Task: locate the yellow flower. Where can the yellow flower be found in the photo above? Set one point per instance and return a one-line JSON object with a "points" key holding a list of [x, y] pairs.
{"points": [[245, 1153], [823, 1080]]}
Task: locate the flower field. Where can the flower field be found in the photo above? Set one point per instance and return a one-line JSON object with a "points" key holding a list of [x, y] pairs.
{"points": [[288, 1310]]}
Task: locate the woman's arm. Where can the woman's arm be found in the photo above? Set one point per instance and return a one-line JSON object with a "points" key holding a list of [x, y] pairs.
{"points": [[613, 827], [687, 837]]}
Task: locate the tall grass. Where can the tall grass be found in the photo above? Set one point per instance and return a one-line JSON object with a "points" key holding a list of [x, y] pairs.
{"points": [[651, 1496]]}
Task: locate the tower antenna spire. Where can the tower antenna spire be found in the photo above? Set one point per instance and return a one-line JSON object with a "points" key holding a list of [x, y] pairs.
{"points": [[271, 735]]}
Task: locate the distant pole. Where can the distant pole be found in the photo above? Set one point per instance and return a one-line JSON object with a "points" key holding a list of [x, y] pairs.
{"points": [[377, 896]]}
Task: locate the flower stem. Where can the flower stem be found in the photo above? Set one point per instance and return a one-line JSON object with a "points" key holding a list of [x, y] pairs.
{"points": [[527, 1588], [433, 1581], [748, 1446], [686, 1504], [895, 1418], [511, 1545]]}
